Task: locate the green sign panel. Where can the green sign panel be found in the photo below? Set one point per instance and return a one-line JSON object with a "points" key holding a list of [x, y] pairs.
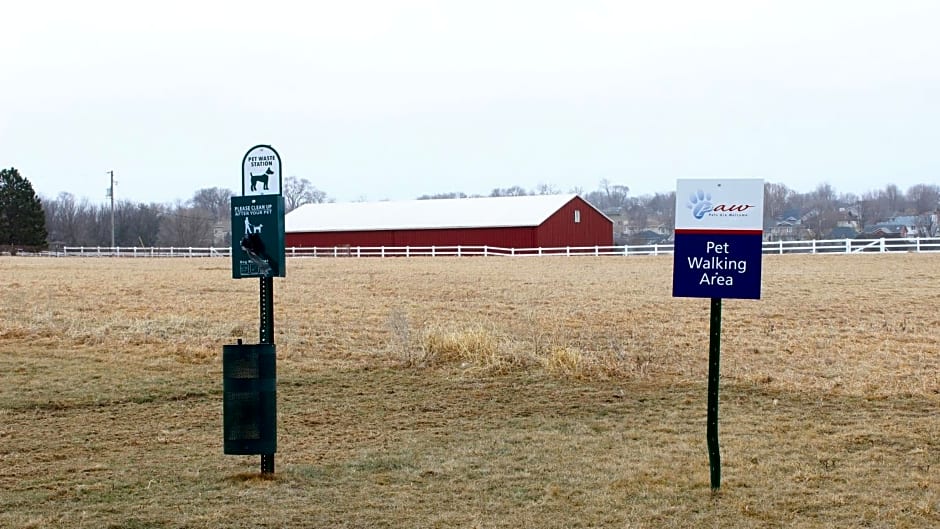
{"points": [[258, 236]]}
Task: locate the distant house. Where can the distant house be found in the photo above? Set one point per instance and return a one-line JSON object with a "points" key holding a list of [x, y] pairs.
{"points": [[884, 230], [932, 223], [789, 226], [784, 229], [849, 216], [620, 224], [646, 237], [842, 232], [221, 233], [900, 226]]}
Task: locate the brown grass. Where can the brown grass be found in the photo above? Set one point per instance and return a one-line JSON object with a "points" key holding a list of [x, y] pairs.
{"points": [[548, 392]]}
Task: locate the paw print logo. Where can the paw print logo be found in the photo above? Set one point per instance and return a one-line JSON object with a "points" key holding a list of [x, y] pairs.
{"points": [[700, 203]]}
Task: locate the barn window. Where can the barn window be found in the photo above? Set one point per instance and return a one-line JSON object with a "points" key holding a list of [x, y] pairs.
{"points": [[577, 216]]}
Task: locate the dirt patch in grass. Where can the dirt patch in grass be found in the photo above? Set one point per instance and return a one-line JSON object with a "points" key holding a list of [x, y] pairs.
{"points": [[472, 393]]}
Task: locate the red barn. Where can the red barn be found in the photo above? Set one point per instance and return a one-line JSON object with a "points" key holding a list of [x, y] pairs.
{"points": [[506, 222]]}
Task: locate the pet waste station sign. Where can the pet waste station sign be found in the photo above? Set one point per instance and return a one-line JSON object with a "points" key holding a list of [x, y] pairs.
{"points": [[718, 246], [261, 171], [258, 236], [249, 371], [718, 239]]}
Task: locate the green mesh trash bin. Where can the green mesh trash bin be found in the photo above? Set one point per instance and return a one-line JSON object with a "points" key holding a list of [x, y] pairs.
{"points": [[249, 402]]}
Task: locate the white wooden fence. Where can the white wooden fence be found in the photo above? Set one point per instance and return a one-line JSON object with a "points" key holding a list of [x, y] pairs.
{"points": [[845, 246]]}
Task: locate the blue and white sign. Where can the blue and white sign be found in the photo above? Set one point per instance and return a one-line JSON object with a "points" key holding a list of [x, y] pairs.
{"points": [[718, 238]]}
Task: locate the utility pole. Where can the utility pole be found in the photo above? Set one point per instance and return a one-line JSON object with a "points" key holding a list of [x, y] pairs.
{"points": [[111, 194]]}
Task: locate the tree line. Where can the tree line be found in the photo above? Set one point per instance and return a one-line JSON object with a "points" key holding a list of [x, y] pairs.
{"points": [[823, 209], [28, 221], [819, 211], [201, 221]]}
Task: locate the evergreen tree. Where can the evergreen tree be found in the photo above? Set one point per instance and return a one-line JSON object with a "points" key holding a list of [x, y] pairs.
{"points": [[22, 221]]}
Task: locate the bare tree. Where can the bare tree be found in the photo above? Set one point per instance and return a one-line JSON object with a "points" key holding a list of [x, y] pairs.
{"points": [[438, 196], [94, 225], [870, 209], [637, 215], [62, 219], [892, 199], [776, 197], [663, 207], [823, 214], [545, 189], [514, 191], [610, 196], [299, 191], [186, 226], [616, 193], [214, 200], [70, 222], [924, 198], [137, 224], [927, 225]]}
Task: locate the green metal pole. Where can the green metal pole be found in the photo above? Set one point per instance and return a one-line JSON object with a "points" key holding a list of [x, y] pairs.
{"points": [[714, 354], [267, 310], [267, 336]]}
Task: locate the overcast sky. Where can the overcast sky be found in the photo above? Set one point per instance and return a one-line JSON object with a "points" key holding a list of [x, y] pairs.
{"points": [[394, 99]]}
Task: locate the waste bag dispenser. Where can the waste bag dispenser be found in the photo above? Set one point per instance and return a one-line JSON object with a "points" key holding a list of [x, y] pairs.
{"points": [[249, 403]]}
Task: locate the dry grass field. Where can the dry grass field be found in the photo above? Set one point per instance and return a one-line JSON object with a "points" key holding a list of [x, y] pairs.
{"points": [[515, 393]]}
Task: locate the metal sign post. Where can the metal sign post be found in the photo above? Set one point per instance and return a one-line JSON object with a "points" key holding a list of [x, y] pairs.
{"points": [[266, 336], [249, 371], [711, 425], [718, 247]]}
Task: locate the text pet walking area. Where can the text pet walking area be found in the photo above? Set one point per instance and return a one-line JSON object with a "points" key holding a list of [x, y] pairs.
{"points": [[717, 254]]}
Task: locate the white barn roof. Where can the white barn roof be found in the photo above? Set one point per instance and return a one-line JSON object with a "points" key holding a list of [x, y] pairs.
{"points": [[492, 212]]}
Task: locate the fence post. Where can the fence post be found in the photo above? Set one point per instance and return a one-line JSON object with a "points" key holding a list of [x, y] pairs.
{"points": [[597, 250], [882, 245], [486, 251], [781, 246], [813, 250], [458, 251], [540, 250], [512, 251], [917, 244], [848, 246], [567, 250], [382, 251], [655, 249], [407, 251]]}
